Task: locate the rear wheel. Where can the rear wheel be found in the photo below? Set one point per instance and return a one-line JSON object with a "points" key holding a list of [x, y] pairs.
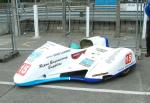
{"points": [[125, 72]]}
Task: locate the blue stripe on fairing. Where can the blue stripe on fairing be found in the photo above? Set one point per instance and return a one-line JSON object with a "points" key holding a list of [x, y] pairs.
{"points": [[89, 80], [106, 40], [35, 82]]}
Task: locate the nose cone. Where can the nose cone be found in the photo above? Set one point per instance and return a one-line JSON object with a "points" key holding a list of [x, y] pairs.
{"points": [[19, 80], [20, 76]]}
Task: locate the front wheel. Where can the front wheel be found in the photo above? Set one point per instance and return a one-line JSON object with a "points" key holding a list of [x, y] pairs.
{"points": [[107, 77]]}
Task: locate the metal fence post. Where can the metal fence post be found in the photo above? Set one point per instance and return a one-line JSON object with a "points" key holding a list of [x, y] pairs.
{"points": [[15, 29], [64, 16], [117, 19], [15, 19]]}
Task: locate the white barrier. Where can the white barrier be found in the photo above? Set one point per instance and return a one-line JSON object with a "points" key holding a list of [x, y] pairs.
{"points": [[36, 24], [87, 21], [144, 26]]}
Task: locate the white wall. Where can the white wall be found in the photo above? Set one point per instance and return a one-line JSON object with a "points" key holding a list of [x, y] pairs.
{"points": [[130, 7]]}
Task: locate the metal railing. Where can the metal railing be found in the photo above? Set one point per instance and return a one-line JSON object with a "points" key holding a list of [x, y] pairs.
{"points": [[101, 13]]}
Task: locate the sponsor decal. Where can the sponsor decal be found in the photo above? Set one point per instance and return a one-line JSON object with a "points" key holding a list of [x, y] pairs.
{"points": [[58, 60], [59, 53], [53, 63], [86, 62], [34, 55], [43, 65], [100, 74], [77, 55], [128, 58], [23, 69]]}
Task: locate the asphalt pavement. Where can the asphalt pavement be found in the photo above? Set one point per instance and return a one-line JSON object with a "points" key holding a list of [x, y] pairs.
{"points": [[133, 88]]}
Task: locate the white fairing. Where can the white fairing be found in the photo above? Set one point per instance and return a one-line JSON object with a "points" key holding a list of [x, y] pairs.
{"points": [[51, 60], [47, 58]]}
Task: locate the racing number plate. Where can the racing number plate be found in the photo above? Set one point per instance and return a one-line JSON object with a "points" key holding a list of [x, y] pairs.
{"points": [[23, 69], [128, 58]]}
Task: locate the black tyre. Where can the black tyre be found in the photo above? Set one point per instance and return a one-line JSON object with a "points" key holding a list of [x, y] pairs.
{"points": [[107, 77], [125, 72]]}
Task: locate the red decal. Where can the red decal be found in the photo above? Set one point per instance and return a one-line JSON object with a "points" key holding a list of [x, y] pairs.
{"points": [[23, 69], [77, 55], [128, 58]]}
